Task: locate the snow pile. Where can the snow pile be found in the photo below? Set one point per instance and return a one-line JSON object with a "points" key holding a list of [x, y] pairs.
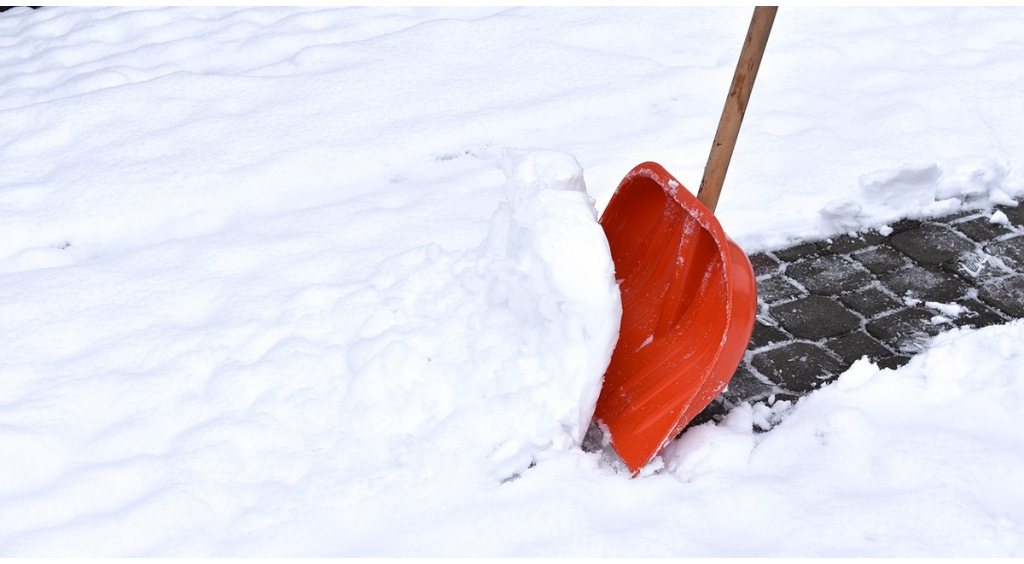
{"points": [[923, 460], [921, 191], [192, 380], [497, 353]]}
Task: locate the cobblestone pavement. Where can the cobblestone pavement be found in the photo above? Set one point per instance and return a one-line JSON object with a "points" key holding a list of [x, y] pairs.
{"points": [[823, 305]]}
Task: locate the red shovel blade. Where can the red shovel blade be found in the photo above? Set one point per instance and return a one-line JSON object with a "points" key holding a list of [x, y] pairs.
{"points": [[688, 307]]}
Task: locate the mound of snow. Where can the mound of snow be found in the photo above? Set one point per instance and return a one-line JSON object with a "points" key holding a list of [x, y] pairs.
{"points": [[920, 191], [495, 354], [305, 363], [923, 460], [920, 461]]}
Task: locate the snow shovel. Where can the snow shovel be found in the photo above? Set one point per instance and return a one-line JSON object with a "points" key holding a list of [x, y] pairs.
{"points": [[688, 292]]}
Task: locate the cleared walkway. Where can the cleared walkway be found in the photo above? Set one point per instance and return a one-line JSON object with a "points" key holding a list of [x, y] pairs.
{"points": [[823, 305]]}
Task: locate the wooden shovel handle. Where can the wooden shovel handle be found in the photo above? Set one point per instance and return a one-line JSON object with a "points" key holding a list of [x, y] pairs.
{"points": [[735, 106]]}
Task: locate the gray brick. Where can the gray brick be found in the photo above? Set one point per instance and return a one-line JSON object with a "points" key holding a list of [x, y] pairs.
{"points": [[977, 315], [815, 318], [845, 244], [975, 266], [894, 362], [829, 275], [907, 330], [981, 229], [881, 259], [1010, 251], [905, 224], [924, 283], [797, 252], [869, 301], [776, 289], [763, 264], [798, 367], [1014, 214], [715, 411], [854, 345], [745, 386], [931, 243], [765, 335], [956, 217], [1006, 294]]}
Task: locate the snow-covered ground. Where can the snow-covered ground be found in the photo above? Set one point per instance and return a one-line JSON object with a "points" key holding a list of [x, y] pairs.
{"points": [[328, 281]]}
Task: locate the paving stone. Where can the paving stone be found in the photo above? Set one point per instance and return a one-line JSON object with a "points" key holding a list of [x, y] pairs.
{"points": [[981, 229], [1006, 294], [976, 267], [904, 225], [854, 345], [776, 289], [765, 335], [797, 367], [715, 411], [977, 315], [924, 283], [956, 217], [870, 301], [907, 330], [745, 386], [782, 396], [763, 264], [829, 275], [845, 244], [931, 243], [1010, 251], [1014, 214], [893, 362], [881, 259], [815, 318], [797, 252]]}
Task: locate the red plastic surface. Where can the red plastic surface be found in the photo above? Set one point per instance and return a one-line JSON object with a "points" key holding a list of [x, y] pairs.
{"points": [[688, 305]]}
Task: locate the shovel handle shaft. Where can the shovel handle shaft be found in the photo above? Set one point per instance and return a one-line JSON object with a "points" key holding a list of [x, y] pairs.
{"points": [[735, 106]]}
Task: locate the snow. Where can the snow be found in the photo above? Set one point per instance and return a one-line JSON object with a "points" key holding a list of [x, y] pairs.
{"points": [[329, 281]]}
